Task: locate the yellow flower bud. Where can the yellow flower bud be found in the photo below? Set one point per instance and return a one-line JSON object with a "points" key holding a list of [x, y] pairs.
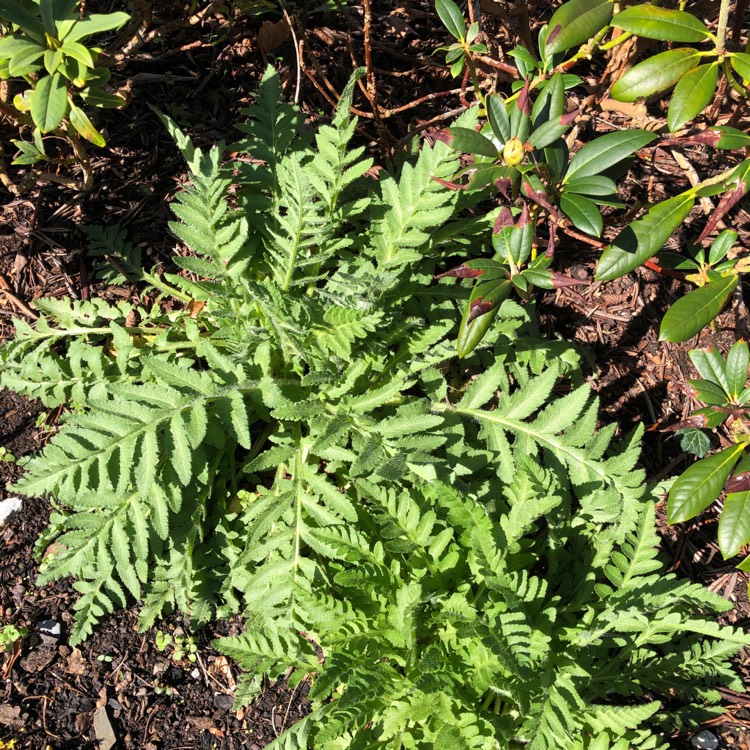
{"points": [[513, 152]]}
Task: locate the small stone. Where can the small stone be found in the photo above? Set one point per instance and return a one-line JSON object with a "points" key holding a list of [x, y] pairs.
{"points": [[50, 627], [196, 673], [103, 730], [10, 507], [705, 740]]}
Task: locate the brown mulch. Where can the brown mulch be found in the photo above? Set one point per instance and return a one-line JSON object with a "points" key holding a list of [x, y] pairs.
{"points": [[61, 697]]}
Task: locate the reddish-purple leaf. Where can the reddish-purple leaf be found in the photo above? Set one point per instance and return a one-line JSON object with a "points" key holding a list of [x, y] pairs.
{"points": [[738, 483], [450, 185], [524, 218], [444, 136], [696, 421], [570, 118], [479, 308], [503, 186], [504, 219], [524, 102], [725, 205], [559, 281], [461, 272]]}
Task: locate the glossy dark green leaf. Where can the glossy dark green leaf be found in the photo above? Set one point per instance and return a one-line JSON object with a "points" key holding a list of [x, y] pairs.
{"points": [[11, 10], [738, 359], [542, 278], [583, 213], [11, 45], [656, 74], [78, 52], [593, 185], [643, 238], [49, 102], [709, 392], [653, 22], [575, 22], [47, 11], [95, 97], [497, 116], [97, 23], [556, 158], [83, 125], [723, 243], [731, 139], [710, 366], [734, 524], [740, 61], [26, 61], [525, 61], [470, 142], [713, 418], [692, 95], [701, 484], [605, 151], [471, 332], [693, 312], [550, 104], [452, 18], [548, 132]]}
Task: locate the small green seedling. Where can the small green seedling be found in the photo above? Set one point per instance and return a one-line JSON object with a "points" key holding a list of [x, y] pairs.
{"points": [[184, 646], [10, 635], [6, 456]]}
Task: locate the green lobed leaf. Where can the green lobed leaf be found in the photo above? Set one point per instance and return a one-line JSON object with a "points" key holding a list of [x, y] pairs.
{"points": [[575, 22], [643, 238], [666, 24], [692, 95], [452, 18], [49, 102], [693, 312], [701, 484], [606, 151], [734, 524], [694, 441], [656, 74]]}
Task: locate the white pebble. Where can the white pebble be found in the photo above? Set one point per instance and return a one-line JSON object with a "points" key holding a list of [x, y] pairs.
{"points": [[705, 740], [9, 508], [50, 627]]}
